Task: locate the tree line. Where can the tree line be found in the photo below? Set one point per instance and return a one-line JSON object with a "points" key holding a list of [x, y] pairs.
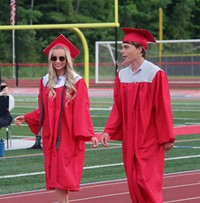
{"points": [[180, 21]]}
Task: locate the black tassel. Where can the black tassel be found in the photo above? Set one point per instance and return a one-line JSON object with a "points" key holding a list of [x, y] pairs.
{"points": [[57, 142]]}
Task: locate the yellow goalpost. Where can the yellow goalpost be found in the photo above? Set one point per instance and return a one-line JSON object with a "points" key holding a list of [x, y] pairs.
{"points": [[75, 27]]}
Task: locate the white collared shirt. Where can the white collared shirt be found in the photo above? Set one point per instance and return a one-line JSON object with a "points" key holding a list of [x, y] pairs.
{"points": [[60, 80], [145, 73]]}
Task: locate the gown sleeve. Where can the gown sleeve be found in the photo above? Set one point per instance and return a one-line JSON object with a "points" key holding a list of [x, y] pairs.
{"points": [[162, 106], [33, 118], [114, 124], [82, 121]]}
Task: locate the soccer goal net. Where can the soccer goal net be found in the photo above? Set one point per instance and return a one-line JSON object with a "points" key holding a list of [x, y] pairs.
{"points": [[180, 59]]}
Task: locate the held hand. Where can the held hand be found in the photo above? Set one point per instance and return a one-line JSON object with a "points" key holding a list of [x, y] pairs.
{"points": [[167, 146], [19, 120], [95, 142], [5, 91], [104, 139]]}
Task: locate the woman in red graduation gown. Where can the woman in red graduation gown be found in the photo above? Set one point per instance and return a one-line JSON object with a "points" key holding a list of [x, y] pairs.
{"points": [[142, 118], [66, 122]]}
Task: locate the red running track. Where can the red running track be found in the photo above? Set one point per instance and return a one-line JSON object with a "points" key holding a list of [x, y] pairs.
{"points": [[180, 187]]}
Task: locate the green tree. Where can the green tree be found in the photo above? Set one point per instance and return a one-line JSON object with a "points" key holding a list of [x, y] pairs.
{"points": [[180, 21], [178, 17]]}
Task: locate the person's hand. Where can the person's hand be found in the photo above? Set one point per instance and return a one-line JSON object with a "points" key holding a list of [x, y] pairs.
{"points": [[167, 146], [19, 120], [5, 91], [95, 142], [104, 139]]}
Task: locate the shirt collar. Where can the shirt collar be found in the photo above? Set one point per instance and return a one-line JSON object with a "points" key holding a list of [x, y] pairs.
{"points": [[139, 69]]}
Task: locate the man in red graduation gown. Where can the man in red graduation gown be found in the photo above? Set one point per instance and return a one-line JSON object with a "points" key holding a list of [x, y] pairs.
{"points": [[141, 117]]}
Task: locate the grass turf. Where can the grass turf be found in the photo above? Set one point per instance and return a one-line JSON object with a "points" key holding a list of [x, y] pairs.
{"points": [[19, 166]]}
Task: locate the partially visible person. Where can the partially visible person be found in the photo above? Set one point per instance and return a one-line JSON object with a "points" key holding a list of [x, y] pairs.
{"points": [[38, 142], [66, 121], [141, 118], [4, 89], [5, 116]]}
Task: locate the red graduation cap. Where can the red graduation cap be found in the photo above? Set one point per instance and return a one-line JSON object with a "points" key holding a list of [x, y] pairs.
{"points": [[138, 35], [61, 40]]}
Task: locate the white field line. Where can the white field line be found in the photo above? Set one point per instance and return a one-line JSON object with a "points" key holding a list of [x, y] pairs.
{"points": [[182, 200], [100, 184], [93, 167]]}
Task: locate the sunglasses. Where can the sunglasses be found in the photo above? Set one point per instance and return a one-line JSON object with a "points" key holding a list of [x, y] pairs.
{"points": [[61, 58]]}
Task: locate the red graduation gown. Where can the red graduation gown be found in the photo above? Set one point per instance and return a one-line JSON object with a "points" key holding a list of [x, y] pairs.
{"points": [[142, 118], [63, 167]]}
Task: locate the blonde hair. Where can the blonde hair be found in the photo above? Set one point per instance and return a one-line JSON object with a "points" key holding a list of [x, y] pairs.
{"points": [[69, 73]]}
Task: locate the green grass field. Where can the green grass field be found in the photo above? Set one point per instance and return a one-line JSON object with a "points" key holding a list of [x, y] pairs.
{"points": [[22, 170]]}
